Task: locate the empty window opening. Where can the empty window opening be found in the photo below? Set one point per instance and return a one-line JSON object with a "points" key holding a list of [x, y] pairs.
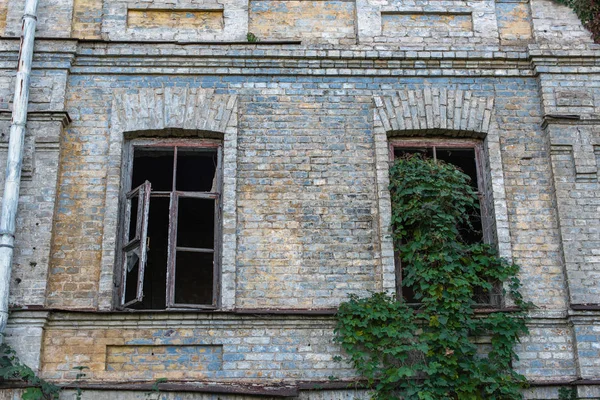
{"points": [[466, 156], [175, 262]]}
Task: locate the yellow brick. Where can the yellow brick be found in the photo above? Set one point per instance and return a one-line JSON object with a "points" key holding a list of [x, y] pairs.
{"points": [[84, 25], [176, 19], [3, 12]]}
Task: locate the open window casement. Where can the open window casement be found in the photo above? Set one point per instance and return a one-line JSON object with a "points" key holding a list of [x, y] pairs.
{"points": [[136, 244], [179, 267]]}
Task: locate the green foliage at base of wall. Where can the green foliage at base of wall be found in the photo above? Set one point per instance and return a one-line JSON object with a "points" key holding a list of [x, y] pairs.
{"points": [[429, 351], [11, 368], [588, 12], [567, 393]]}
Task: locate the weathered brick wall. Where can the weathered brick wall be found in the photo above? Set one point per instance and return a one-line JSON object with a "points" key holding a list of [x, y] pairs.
{"points": [[192, 347], [311, 248], [307, 161], [319, 187], [40, 166], [557, 26], [76, 248], [54, 18], [548, 351], [577, 190], [587, 335]]}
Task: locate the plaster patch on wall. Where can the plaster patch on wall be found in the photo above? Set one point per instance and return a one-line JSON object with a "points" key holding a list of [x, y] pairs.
{"points": [[316, 21], [175, 19], [426, 24], [514, 21], [165, 357]]}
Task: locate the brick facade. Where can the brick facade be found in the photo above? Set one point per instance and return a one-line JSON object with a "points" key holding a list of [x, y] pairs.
{"points": [[304, 117]]}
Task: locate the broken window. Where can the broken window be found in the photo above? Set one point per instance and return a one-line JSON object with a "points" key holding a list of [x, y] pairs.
{"points": [[170, 250], [466, 155]]}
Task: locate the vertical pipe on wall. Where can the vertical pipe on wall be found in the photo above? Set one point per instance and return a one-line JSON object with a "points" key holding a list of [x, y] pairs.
{"points": [[10, 198]]}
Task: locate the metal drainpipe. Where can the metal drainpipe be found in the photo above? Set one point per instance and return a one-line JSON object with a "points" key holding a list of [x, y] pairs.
{"points": [[10, 199]]}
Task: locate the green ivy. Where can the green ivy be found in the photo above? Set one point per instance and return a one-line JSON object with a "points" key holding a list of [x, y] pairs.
{"points": [[12, 368], [567, 393], [428, 351], [588, 12]]}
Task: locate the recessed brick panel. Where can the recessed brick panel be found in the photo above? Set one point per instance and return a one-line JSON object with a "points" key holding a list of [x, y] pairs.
{"points": [[175, 19], [426, 24], [171, 358], [309, 21]]}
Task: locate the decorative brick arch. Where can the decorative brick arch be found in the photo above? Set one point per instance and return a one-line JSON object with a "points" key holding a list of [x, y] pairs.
{"points": [[153, 110], [166, 112], [454, 112], [437, 112]]}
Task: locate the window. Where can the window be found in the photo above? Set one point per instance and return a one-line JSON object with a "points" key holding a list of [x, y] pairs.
{"points": [[466, 155], [171, 224]]}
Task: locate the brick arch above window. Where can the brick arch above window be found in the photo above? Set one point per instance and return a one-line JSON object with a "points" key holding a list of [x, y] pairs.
{"points": [[172, 107], [455, 112], [436, 112], [171, 112]]}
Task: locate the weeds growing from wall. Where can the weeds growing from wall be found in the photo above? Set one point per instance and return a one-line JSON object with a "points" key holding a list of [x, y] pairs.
{"points": [[428, 351]]}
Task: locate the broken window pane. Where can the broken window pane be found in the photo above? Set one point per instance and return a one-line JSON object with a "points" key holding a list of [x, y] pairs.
{"points": [[154, 165], [195, 223], [132, 270], [196, 169], [133, 219], [194, 278]]}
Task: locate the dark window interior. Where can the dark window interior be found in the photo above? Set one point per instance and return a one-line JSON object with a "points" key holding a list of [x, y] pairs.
{"points": [[195, 222], [155, 275], [463, 158], [155, 166], [196, 170], [190, 254], [194, 278]]}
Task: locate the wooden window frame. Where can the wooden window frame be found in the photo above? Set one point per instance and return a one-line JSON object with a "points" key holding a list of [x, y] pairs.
{"points": [[445, 143], [174, 196]]}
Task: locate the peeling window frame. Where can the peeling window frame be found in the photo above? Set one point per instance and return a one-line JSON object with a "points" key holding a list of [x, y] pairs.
{"points": [[174, 195]]}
